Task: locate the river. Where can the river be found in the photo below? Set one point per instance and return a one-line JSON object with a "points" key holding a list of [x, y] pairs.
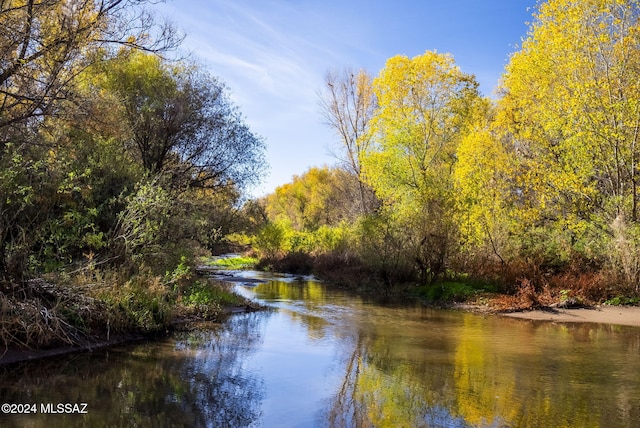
{"points": [[322, 357]]}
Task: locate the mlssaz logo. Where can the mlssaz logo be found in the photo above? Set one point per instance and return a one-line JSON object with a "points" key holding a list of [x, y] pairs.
{"points": [[63, 408]]}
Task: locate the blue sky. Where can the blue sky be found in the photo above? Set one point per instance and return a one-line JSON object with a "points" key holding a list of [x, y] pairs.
{"points": [[273, 55]]}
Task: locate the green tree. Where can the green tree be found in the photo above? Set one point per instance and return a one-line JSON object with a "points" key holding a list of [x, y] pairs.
{"points": [[425, 106], [44, 48], [183, 124]]}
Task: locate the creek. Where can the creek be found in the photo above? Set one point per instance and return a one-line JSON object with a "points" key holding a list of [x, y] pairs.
{"points": [[323, 357]]}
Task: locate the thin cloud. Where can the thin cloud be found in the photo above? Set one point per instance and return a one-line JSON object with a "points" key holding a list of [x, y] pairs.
{"points": [[273, 55]]}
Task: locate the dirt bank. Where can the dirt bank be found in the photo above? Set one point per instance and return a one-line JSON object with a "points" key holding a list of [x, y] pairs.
{"points": [[621, 315], [14, 355]]}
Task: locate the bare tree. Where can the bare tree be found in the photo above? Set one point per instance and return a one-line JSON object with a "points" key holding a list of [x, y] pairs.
{"points": [[348, 104]]}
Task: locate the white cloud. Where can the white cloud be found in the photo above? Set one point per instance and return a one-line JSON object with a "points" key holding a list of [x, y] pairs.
{"points": [[273, 55]]}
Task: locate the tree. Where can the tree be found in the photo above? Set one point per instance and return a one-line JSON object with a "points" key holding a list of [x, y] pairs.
{"points": [[482, 192], [316, 198], [182, 123], [571, 111], [44, 47], [348, 104], [45, 44], [425, 106]]}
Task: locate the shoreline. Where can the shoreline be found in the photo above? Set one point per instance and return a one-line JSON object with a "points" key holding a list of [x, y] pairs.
{"points": [[13, 355], [617, 315], [612, 315]]}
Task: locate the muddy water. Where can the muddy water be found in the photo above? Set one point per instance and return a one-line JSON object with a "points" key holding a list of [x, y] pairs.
{"points": [[324, 358]]}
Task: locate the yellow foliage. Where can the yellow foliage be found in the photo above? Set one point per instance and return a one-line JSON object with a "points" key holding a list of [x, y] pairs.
{"points": [[424, 106], [482, 186], [570, 107]]}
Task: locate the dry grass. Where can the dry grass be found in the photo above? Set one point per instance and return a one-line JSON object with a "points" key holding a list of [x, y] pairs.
{"points": [[527, 297], [41, 314], [91, 305]]}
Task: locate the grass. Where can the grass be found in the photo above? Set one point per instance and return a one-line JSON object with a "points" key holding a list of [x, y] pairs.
{"points": [[141, 304], [211, 293], [452, 291], [622, 301], [74, 309], [233, 263]]}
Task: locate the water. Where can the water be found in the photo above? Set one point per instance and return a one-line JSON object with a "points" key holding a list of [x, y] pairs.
{"points": [[325, 358]]}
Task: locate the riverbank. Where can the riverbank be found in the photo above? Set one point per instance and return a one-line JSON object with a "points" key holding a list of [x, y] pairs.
{"points": [[14, 354], [604, 314], [45, 318], [619, 315], [481, 298]]}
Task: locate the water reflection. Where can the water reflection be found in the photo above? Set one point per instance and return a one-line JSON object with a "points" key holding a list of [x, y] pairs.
{"points": [[412, 366], [196, 379], [328, 359], [489, 372]]}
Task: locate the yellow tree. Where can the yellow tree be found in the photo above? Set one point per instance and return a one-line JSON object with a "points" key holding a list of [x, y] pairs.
{"points": [[425, 105], [319, 197], [482, 189], [571, 107]]}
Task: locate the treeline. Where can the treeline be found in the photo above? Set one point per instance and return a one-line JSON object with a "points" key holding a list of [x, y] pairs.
{"points": [[538, 188], [113, 159], [108, 152]]}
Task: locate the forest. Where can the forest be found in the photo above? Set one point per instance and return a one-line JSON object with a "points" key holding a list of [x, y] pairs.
{"points": [[533, 193], [120, 166]]}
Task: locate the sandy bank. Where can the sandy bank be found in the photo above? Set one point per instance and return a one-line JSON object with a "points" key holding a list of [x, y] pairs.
{"points": [[621, 315]]}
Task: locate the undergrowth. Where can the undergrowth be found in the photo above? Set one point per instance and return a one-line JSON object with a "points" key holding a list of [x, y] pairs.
{"points": [[71, 309], [453, 291], [236, 263]]}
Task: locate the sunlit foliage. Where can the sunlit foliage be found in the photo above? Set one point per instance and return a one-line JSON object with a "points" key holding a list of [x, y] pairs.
{"points": [[425, 108]]}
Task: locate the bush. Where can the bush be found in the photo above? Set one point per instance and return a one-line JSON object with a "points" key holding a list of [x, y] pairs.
{"points": [[139, 232], [143, 304], [452, 291]]}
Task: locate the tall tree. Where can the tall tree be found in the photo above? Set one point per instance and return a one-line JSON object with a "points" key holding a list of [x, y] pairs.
{"points": [[483, 194], [571, 99], [425, 107], [348, 104], [45, 44], [183, 124], [44, 47], [571, 110]]}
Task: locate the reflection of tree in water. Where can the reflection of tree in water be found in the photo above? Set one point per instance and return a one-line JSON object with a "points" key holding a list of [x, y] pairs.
{"points": [[224, 393], [310, 296], [534, 375], [379, 389], [344, 410], [196, 382]]}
